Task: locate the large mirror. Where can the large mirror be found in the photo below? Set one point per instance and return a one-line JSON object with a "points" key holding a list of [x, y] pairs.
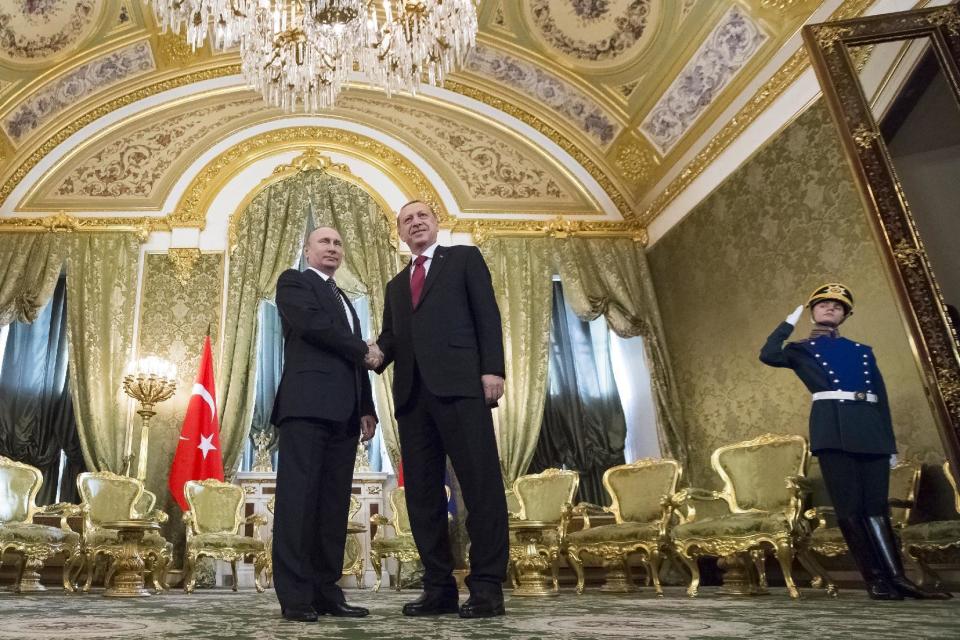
{"points": [[892, 83]]}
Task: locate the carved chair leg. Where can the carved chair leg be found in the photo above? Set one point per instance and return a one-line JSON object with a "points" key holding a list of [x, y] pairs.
{"points": [[653, 569], [575, 562], [555, 572], [259, 567], [77, 563], [21, 569], [692, 565], [820, 576], [927, 575], [785, 557], [377, 568], [189, 569], [233, 572], [91, 562], [399, 573], [108, 571], [759, 562], [68, 586]]}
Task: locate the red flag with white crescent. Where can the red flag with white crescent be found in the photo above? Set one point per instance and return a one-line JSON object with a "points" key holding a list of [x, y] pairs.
{"points": [[198, 451]]}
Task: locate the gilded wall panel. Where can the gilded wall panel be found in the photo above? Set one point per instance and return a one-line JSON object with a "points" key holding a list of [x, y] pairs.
{"points": [[177, 305], [786, 221], [487, 168], [136, 168]]}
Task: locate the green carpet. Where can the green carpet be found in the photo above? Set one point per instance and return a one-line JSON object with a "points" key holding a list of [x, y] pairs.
{"points": [[222, 614]]}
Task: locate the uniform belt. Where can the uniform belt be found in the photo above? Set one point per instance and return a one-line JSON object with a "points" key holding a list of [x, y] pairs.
{"points": [[846, 395]]}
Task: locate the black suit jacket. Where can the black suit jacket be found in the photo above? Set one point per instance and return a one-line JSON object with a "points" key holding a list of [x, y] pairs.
{"points": [[323, 372], [453, 337], [852, 426]]}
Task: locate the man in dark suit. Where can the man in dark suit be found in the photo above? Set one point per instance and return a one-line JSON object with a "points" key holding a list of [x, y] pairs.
{"points": [[441, 329], [323, 404]]}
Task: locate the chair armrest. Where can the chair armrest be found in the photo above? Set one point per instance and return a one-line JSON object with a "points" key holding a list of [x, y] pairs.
{"points": [[584, 510], [382, 522], [820, 515], [800, 483], [257, 520], [682, 501], [798, 486], [62, 509], [158, 516], [189, 523]]}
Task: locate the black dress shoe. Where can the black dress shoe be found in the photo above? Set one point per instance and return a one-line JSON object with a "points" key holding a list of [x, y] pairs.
{"points": [[432, 603], [340, 610], [482, 607], [300, 615]]}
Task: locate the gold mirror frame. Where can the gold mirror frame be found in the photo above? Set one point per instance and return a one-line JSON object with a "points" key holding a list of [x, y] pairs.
{"points": [[933, 337]]}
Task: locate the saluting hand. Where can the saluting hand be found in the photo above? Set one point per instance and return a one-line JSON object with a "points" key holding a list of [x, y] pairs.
{"points": [[795, 316], [492, 388]]}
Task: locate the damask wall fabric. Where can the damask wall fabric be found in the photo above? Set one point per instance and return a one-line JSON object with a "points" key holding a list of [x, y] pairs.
{"points": [[29, 266], [102, 293], [782, 224], [176, 308], [521, 272]]}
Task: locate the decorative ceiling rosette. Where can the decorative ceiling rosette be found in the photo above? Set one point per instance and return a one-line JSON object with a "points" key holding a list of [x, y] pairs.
{"points": [[595, 31], [37, 31]]}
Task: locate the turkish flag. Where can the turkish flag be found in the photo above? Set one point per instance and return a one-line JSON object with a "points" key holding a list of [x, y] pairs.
{"points": [[198, 452]]}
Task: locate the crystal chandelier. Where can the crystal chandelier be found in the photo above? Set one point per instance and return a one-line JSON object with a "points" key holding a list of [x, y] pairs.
{"points": [[299, 53]]}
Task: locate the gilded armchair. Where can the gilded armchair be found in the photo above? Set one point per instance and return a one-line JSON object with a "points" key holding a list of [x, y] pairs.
{"points": [[546, 498], [826, 538], [759, 510], [640, 494], [938, 540], [213, 520], [33, 543], [400, 546], [352, 550], [107, 497]]}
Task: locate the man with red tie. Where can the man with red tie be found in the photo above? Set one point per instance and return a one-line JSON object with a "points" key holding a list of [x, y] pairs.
{"points": [[441, 330]]}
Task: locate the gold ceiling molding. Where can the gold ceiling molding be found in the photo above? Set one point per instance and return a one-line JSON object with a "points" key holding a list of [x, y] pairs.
{"points": [[559, 227], [102, 110], [596, 172], [62, 222], [761, 100], [193, 205]]}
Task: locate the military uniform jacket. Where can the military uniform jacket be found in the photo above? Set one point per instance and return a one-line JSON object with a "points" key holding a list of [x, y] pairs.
{"points": [[837, 364]]}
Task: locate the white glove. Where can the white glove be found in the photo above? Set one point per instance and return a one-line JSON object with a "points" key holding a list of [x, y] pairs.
{"points": [[793, 317]]}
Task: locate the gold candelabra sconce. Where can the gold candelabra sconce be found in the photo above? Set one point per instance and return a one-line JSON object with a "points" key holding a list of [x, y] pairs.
{"points": [[151, 380]]}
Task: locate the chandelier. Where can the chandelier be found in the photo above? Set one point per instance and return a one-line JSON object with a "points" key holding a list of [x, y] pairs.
{"points": [[299, 53]]}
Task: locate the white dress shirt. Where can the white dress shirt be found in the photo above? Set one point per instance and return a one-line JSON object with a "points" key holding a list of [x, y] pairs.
{"points": [[343, 302], [429, 256]]}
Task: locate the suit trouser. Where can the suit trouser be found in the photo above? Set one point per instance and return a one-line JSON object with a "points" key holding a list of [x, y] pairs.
{"points": [[314, 478], [432, 428], [858, 483]]}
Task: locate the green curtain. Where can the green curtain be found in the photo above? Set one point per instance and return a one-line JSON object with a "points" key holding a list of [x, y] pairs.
{"points": [[29, 266], [583, 423], [269, 237], [102, 288], [522, 279], [371, 260], [36, 412], [612, 277]]}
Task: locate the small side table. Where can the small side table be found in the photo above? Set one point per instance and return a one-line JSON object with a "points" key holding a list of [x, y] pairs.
{"points": [[128, 580], [533, 562]]}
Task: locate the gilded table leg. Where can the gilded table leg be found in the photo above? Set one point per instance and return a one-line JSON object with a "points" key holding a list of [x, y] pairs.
{"points": [[128, 581], [28, 578], [533, 565]]}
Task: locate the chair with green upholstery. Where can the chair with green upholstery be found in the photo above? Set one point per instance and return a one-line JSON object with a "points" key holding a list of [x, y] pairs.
{"points": [[33, 543], [400, 546], [545, 497], [827, 540], [760, 507], [213, 521], [352, 550], [109, 497], [639, 493], [935, 541]]}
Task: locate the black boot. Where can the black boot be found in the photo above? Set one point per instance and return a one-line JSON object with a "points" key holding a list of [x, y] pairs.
{"points": [[888, 551], [861, 549]]}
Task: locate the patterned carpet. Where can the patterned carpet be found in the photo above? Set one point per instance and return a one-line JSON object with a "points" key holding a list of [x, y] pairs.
{"points": [[221, 614]]}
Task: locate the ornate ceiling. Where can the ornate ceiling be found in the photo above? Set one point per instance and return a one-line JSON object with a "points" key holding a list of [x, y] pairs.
{"points": [[594, 110]]}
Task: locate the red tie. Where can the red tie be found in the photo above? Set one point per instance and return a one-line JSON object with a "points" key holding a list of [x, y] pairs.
{"points": [[416, 280]]}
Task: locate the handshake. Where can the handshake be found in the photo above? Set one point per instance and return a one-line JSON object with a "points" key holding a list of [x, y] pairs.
{"points": [[374, 357]]}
